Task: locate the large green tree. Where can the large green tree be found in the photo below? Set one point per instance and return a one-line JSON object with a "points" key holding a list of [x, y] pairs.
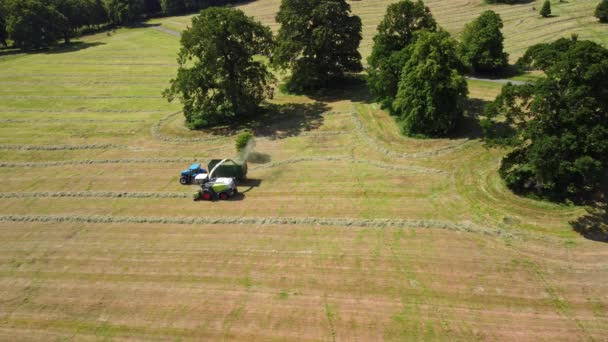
{"points": [[33, 24], [3, 33], [482, 44], [76, 13], [432, 91], [561, 123], [218, 79], [172, 7], [542, 56], [124, 11], [97, 13], [395, 33], [601, 11], [318, 40]]}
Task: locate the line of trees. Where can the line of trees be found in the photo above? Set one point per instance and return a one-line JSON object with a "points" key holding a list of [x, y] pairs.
{"points": [[35, 24], [173, 7]]}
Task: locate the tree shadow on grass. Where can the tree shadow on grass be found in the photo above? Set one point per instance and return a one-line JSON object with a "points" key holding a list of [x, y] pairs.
{"points": [[594, 224], [142, 24], [469, 126], [351, 87], [505, 73], [63, 48], [278, 121], [248, 185]]}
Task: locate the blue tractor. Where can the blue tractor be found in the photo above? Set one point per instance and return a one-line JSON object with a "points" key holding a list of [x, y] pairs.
{"points": [[188, 176]]}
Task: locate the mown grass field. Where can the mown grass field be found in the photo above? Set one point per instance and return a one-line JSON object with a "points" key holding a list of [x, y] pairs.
{"points": [[523, 26], [346, 230]]}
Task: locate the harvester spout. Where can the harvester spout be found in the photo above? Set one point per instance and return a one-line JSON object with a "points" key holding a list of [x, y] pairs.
{"points": [[216, 166]]}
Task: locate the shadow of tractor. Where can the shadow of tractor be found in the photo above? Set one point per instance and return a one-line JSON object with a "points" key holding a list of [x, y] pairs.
{"points": [[249, 184]]}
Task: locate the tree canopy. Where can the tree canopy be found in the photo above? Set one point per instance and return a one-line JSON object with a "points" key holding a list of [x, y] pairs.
{"points": [[432, 92], [3, 33], [124, 11], [218, 79], [601, 11], [172, 7], [395, 33], [561, 123], [542, 56], [482, 44], [33, 24], [545, 11], [318, 40]]}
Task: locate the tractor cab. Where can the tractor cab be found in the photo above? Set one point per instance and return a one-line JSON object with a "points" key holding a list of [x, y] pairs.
{"points": [[189, 175]]}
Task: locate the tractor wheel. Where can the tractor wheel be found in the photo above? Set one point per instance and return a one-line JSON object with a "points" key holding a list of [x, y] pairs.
{"points": [[207, 196], [183, 181], [224, 196]]}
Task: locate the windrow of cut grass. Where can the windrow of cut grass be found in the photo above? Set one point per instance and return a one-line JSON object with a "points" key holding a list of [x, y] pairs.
{"points": [[276, 281], [278, 221]]}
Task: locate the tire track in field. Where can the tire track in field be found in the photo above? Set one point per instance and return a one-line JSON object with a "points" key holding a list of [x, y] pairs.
{"points": [[107, 64], [45, 121], [417, 169], [100, 161], [85, 83], [288, 221], [90, 75], [554, 295], [410, 276], [60, 147], [79, 111], [359, 126], [94, 194], [39, 97]]}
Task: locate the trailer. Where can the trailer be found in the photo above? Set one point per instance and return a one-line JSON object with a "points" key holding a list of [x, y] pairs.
{"points": [[228, 168]]}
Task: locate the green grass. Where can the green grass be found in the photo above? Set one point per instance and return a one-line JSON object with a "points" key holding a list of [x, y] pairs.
{"points": [[105, 247]]}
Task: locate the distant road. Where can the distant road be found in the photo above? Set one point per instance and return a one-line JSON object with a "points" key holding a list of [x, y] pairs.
{"points": [[498, 80], [167, 31]]}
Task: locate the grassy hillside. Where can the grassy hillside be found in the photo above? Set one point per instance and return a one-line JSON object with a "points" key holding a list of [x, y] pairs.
{"points": [[345, 229], [523, 25]]}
